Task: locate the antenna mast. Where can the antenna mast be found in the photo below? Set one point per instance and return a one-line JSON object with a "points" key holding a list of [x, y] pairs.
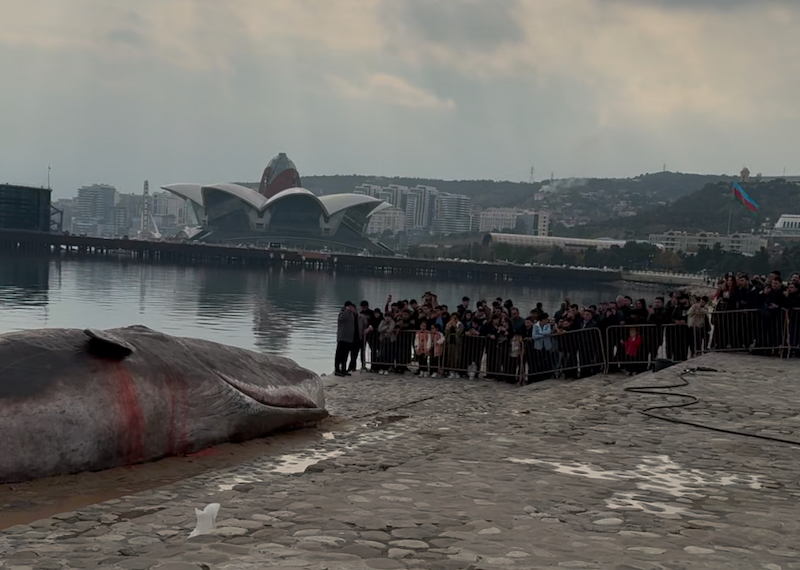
{"points": [[144, 231]]}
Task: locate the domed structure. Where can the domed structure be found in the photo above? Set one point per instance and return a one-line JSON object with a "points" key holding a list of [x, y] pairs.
{"points": [[280, 174], [294, 217], [281, 211]]}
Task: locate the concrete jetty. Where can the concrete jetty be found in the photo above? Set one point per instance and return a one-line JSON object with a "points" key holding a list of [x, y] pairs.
{"points": [[421, 473], [26, 243]]}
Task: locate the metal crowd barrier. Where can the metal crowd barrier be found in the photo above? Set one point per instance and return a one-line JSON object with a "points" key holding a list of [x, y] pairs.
{"points": [[585, 352], [511, 359], [450, 353], [763, 331], [624, 353], [792, 332], [497, 358], [577, 353], [766, 332]]}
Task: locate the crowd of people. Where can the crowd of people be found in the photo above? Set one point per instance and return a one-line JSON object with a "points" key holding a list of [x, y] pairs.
{"points": [[494, 339]]}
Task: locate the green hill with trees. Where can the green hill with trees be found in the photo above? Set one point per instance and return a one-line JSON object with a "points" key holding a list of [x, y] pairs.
{"points": [[659, 186], [707, 209]]}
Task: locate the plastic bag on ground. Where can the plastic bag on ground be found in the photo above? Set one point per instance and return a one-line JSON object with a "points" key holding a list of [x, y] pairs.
{"points": [[206, 519]]}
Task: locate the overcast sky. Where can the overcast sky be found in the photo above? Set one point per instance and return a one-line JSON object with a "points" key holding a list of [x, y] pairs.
{"points": [[209, 90]]}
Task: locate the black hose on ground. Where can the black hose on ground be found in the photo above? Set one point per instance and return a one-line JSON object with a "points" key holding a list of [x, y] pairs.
{"points": [[691, 400]]}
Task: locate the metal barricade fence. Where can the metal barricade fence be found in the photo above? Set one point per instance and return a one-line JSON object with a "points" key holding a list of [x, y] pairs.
{"points": [[679, 342], [493, 357], [578, 353], [392, 351], [445, 354], [510, 359], [792, 338], [584, 351], [626, 353], [761, 331]]}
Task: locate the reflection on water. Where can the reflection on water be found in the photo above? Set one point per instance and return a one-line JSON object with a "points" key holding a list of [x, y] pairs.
{"points": [[288, 299], [275, 311], [24, 284]]}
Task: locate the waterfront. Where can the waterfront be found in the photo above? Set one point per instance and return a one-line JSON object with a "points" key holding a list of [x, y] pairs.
{"points": [[424, 474], [272, 310]]}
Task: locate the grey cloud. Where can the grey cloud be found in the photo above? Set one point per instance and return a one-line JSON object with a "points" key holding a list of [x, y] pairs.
{"points": [[723, 5], [129, 30], [474, 24], [125, 36], [135, 18], [117, 128]]}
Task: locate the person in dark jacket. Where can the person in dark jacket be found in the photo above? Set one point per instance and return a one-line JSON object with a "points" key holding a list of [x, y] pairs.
{"points": [[346, 333], [639, 313], [745, 300], [492, 333], [677, 335], [771, 302], [360, 343], [654, 336], [792, 305], [588, 344]]}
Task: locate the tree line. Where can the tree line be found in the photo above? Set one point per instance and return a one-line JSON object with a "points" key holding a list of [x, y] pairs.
{"points": [[633, 255]]}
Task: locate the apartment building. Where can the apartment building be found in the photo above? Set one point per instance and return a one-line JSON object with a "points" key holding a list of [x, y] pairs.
{"points": [[424, 208], [528, 222], [686, 242]]}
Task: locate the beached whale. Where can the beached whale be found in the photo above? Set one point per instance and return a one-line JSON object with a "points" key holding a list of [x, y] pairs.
{"points": [[76, 400]]}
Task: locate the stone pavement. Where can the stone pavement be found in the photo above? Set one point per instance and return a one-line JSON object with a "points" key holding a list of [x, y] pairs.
{"points": [[456, 474]]}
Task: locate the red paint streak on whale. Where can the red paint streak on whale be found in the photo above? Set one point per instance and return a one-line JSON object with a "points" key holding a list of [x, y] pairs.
{"points": [[131, 416]]}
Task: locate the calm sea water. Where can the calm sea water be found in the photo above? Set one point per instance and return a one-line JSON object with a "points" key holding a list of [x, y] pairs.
{"points": [[291, 313]]}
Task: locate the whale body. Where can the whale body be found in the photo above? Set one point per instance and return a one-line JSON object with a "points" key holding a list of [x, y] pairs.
{"points": [[75, 400]]}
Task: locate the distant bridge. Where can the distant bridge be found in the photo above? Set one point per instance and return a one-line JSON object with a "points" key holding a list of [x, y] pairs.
{"points": [[44, 243]]}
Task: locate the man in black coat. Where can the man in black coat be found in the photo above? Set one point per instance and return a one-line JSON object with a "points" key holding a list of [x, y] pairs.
{"points": [[654, 336], [346, 332]]}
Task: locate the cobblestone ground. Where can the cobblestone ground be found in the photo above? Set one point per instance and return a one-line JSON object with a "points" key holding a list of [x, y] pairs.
{"points": [[457, 474]]}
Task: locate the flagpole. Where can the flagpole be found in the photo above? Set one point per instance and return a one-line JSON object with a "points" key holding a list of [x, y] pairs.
{"points": [[730, 215], [730, 209]]}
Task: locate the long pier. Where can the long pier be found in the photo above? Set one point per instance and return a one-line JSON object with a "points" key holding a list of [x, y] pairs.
{"points": [[59, 244]]}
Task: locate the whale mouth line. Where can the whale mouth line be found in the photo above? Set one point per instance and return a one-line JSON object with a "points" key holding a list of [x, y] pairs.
{"points": [[278, 397]]}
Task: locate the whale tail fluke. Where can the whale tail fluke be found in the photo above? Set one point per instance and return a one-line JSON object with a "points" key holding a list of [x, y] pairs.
{"points": [[206, 519]]}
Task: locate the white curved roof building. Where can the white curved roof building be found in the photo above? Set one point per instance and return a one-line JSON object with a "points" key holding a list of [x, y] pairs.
{"points": [[246, 195], [232, 212]]}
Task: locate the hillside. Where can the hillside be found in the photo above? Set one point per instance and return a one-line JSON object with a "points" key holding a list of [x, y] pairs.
{"points": [[704, 210], [661, 186], [595, 201], [482, 192]]}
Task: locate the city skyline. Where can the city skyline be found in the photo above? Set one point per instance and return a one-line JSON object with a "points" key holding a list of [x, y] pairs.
{"points": [[184, 90]]}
